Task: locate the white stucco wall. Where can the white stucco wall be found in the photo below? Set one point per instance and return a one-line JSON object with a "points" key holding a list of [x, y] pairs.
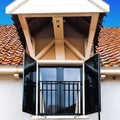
{"points": [[110, 99], [11, 99]]}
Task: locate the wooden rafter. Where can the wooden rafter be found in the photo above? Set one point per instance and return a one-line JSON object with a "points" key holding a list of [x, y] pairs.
{"points": [[74, 50], [92, 29], [27, 35], [45, 49], [33, 44]]}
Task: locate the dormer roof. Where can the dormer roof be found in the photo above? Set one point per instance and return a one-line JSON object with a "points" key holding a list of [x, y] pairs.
{"points": [[56, 6]]}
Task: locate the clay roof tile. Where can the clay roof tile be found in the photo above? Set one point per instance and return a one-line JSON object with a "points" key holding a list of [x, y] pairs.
{"points": [[9, 45], [109, 46]]}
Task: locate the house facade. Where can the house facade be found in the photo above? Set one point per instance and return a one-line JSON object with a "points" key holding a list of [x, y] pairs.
{"points": [[59, 43]]}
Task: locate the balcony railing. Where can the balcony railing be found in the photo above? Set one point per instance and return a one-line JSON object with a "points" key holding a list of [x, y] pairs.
{"points": [[60, 98]]}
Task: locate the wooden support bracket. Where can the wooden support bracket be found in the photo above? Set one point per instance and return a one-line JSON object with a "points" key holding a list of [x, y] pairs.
{"points": [[74, 50], [27, 35], [92, 29]]}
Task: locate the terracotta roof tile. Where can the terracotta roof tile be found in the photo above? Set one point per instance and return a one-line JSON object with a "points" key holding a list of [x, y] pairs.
{"points": [[109, 46], [11, 49]]}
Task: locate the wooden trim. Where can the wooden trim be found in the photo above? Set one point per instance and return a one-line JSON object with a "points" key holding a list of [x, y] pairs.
{"points": [[74, 50], [92, 29], [60, 62], [45, 49], [59, 14], [27, 35]]}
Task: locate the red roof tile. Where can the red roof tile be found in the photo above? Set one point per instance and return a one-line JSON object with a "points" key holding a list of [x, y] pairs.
{"points": [[11, 49], [109, 46]]}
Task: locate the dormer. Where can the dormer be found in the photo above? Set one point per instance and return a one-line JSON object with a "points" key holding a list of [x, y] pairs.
{"points": [[59, 30], [60, 78]]}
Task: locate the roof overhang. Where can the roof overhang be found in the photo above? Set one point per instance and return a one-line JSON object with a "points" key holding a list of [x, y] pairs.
{"points": [[55, 6]]}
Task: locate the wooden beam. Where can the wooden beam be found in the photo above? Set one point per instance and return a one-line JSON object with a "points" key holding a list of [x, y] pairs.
{"points": [[59, 38], [60, 62], [59, 50], [60, 15], [45, 49], [92, 29], [74, 50], [27, 35], [33, 44], [85, 44], [58, 28]]}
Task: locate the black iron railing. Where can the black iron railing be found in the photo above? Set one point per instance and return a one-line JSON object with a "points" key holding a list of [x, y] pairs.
{"points": [[60, 98]]}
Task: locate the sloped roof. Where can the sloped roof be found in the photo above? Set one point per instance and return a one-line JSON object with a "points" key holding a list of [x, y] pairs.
{"points": [[54, 6], [11, 49], [109, 46]]}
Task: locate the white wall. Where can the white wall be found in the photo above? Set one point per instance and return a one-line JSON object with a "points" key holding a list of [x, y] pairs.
{"points": [[11, 100], [110, 99]]}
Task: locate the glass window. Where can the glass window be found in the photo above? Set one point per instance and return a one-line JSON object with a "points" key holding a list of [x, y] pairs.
{"points": [[59, 89]]}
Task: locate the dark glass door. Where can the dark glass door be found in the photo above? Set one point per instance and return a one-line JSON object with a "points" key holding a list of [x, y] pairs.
{"points": [[29, 86], [60, 85], [73, 78], [92, 85], [47, 95]]}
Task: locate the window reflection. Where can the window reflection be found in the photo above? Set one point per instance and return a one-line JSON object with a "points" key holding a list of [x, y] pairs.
{"points": [[59, 96], [71, 97]]}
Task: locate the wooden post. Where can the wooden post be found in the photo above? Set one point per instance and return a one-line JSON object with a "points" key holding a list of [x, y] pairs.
{"points": [[59, 38]]}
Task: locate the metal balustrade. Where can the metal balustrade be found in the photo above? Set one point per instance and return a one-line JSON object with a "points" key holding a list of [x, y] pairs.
{"points": [[60, 98]]}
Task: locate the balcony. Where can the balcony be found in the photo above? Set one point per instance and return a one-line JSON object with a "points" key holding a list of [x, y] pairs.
{"points": [[58, 90], [60, 98]]}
